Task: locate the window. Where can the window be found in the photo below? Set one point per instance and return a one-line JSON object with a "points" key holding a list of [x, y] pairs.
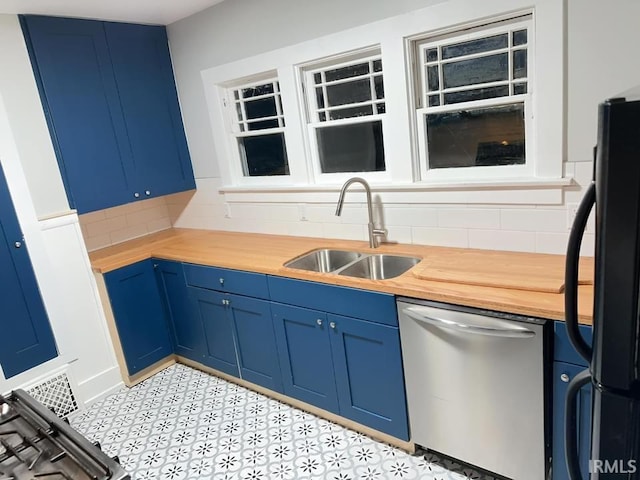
{"points": [[258, 128], [346, 106], [474, 99]]}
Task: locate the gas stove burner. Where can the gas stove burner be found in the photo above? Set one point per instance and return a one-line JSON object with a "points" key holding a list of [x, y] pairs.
{"points": [[35, 443]]}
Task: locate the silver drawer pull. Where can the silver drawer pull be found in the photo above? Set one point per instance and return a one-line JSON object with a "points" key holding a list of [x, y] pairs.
{"points": [[515, 332], [319, 321]]}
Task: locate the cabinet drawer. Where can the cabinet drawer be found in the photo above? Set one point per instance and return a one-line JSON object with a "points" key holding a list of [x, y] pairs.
{"points": [[225, 280], [563, 350], [351, 302]]}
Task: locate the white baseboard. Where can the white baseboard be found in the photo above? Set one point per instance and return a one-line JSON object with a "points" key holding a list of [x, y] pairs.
{"points": [[99, 386]]}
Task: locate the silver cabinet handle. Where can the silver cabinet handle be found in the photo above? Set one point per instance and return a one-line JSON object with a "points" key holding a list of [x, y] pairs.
{"points": [[226, 302], [222, 281], [514, 332], [147, 192], [17, 244], [137, 195], [332, 325], [565, 378], [319, 321]]}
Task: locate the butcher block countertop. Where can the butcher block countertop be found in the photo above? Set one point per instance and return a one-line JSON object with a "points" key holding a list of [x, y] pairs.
{"points": [[267, 254]]}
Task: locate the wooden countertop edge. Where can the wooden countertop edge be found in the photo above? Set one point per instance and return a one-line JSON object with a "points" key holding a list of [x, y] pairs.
{"points": [[166, 245]]}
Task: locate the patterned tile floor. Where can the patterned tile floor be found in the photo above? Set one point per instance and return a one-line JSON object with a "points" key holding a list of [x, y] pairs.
{"points": [[185, 424]]}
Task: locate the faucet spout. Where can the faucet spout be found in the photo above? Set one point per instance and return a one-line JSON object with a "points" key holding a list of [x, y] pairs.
{"points": [[373, 231]]}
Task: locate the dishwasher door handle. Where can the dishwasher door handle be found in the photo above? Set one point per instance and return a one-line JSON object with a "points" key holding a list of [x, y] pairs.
{"points": [[512, 332]]}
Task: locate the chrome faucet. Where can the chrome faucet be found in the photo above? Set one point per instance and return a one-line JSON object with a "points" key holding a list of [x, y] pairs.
{"points": [[373, 231]]}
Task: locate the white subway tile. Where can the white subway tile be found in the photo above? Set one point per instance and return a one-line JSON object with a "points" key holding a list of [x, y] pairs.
{"points": [[588, 246], [346, 231], [584, 173], [147, 215], [398, 234], [410, 216], [555, 243], [106, 226], [91, 217], [128, 233], [306, 229], [159, 224], [100, 241], [446, 237], [502, 240], [469, 218], [322, 213], [534, 220]]}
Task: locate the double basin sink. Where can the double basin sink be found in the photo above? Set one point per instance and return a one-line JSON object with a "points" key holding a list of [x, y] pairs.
{"points": [[373, 266]]}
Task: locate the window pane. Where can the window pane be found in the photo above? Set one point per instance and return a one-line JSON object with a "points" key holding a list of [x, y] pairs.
{"points": [[477, 70], [381, 107], [519, 88], [377, 65], [519, 37], [350, 92], [265, 107], [257, 90], [239, 111], [377, 81], [320, 97], [520, 63], [351, 112], [263, 125], [264, 155], [236, 95], [432, 78], [476, 94], [317, 77], [478, 137], [475, 46], [431, 55], [434, 100], [346, 72], [351, 148], [322, 116]]}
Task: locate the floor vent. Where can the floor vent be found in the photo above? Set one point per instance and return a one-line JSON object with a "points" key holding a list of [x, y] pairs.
{"points": [[55, 392]]}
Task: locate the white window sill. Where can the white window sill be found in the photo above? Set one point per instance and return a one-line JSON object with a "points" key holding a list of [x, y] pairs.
{"points": [[537, 191]]}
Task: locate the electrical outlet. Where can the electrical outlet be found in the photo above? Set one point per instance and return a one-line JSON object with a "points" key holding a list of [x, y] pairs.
{"points": [[227, 210], [302, 212], [572, 210]]}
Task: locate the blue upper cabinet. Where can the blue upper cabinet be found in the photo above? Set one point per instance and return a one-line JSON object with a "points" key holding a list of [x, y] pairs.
{"points": [[139, 315], [110, 101], [26, 340], [144, 75]]}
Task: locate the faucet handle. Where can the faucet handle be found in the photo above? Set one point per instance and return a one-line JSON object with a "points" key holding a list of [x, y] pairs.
{"points": [[379, 231]]}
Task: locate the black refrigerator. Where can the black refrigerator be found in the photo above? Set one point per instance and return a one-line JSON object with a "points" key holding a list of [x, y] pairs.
{"points": [[614, 356]]}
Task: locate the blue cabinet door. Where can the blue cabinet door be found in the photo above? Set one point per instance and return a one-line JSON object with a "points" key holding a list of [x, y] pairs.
{"points": [[26, 339], [255, 338], [144, 76], [80, 97], [139, 315], [369, 376], [305, 355], [563, 374], [186, 327], [220, 350]]}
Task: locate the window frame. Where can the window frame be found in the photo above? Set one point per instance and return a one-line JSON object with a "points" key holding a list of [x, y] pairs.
{"points": [[420, 108], [306, 73]]}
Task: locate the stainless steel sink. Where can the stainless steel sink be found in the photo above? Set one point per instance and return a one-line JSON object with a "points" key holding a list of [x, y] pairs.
{"points": [[380, 266], [353, 264], [324, 260]]}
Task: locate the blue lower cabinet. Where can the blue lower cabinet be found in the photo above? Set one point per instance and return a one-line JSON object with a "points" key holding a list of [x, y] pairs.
{"points": [[186, 328], [563, 374], [369, 376], [255, 339], [139, 315], [305, 355], [211, 309]]}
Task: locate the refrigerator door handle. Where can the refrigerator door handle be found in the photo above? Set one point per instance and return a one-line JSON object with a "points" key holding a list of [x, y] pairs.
{"points": [[571, 273], [571, 424]]}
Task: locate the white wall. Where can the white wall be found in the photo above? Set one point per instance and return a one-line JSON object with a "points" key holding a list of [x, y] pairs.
{"points": [[27, 118], [55, 243], [601, 47]]}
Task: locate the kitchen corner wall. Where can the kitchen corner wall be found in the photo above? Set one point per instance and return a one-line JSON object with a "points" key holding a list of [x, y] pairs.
{"points": [[114, 225], [598, 66]]}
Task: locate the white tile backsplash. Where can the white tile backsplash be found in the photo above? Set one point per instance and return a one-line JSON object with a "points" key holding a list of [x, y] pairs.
{"points": [[530, 228]]}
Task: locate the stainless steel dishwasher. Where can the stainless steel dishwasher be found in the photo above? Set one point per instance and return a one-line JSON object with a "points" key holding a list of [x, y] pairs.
{"points": [[476, 386]]}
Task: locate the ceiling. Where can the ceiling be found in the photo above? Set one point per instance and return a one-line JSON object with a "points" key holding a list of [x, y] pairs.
{"points": [[140, 11]]}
